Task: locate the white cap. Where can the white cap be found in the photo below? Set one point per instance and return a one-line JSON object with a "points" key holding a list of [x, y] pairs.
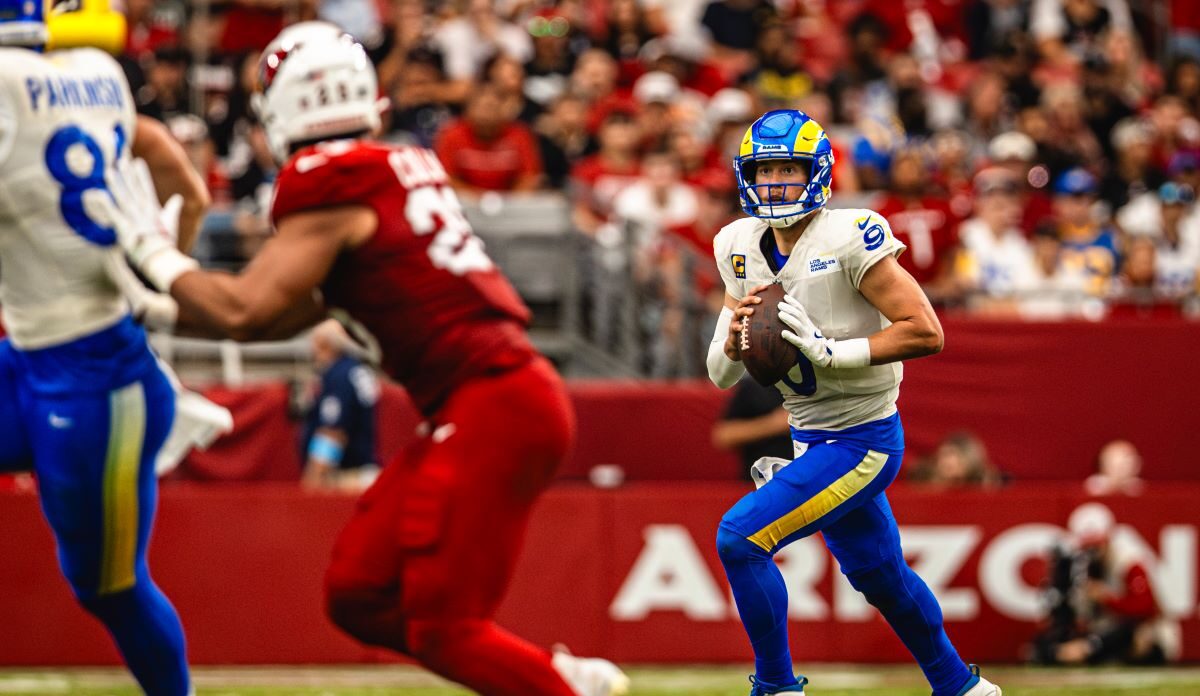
{"points": [[187, 128], [1012, 146], [730, 104], [1091, 523], [1131, 131], [690, 46], [656, 86]]}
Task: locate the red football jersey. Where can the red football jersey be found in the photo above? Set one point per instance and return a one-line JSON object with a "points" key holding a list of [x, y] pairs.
{"points": [[422, 284], [927, 227]]}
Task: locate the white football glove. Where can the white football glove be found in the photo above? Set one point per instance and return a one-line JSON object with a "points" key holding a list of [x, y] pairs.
{"points": [[154, 310], [820, 351], [147, 232]]}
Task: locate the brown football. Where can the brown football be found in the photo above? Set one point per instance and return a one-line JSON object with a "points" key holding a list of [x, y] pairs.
{"points": [[765, 354]]}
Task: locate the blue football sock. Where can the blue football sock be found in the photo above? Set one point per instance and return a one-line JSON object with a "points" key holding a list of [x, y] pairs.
{"points": [[913, 613], [149, 635], [762, 599]]}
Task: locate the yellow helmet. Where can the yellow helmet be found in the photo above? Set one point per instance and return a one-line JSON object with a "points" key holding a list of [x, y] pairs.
{"points": [[79, 23]]}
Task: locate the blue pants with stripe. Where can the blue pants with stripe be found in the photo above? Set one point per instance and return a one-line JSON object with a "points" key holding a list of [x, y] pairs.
{"points": [[90, 417], [836, 487]]}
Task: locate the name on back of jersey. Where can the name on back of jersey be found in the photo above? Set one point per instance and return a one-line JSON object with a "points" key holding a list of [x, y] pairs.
{"points": [[417, 167], [78, 93]]}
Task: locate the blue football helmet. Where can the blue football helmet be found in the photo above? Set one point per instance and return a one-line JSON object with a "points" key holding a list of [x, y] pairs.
{"points": [[54, 24], [23, 23], [784, 134]]}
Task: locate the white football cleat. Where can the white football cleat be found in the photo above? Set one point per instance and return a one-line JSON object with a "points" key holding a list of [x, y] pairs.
{"points": [[982, 687], [590, 676]]}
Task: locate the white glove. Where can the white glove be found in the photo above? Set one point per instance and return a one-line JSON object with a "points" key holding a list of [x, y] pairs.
{"points": [[820, 351], [147, 232], [154, 310]]}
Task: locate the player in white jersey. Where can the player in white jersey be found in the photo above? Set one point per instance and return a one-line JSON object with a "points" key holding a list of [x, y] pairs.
{"points": [[853, 313], [83, 400]]}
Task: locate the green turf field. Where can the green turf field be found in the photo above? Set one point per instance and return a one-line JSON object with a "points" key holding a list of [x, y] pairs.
{"points": [[827, 680]]}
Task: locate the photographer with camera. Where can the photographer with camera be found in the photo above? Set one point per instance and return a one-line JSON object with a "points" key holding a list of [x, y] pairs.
{"points": [[1100, 603]]}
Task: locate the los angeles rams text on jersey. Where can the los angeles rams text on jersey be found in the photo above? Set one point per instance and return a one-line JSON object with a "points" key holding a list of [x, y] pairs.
{"points": [[823, 272], [64, 117]]}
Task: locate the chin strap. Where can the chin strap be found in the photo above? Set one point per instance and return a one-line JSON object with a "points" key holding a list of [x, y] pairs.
{"points": [[789, 220]]}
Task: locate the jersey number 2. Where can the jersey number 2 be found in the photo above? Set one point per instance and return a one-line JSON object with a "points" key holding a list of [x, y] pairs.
{"points": [[74, 186], [454, 248]]}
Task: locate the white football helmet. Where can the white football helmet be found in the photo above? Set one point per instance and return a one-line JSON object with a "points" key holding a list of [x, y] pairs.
{"points": [[315, 82]]}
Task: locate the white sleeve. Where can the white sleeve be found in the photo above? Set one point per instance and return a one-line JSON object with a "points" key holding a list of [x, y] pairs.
{"points": [[721, 370], [722, 254], [871, 240]]}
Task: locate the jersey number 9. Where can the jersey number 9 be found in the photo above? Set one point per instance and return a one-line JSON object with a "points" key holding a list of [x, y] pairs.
{"points": [[807, 386], [874, 237]]}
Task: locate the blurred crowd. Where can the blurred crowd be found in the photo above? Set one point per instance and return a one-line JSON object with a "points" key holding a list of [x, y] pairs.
{"points": [[1040, 158]]}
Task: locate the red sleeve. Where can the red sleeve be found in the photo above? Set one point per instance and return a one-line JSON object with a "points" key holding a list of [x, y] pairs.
{"points": [[448, 141], [326, 176], [531, 159], [1138, 600], [584, 175]]}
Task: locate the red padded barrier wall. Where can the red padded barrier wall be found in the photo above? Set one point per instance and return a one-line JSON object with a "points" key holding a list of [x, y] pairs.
{"points": [[629, 573]]}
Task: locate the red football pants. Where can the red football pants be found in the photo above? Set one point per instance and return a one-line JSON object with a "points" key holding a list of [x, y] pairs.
{"points": [[426, 559]]}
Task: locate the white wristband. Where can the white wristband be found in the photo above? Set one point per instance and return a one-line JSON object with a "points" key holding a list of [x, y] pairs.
{"points": [[851, 353], [165, 265]]}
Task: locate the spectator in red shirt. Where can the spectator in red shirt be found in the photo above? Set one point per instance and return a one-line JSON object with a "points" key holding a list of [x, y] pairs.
{"points": [[597, 179], [655, 93], [685, 57], [595, 79], [147, 29], [251, 24], [923, 222], [488, 149], [689, 140]]}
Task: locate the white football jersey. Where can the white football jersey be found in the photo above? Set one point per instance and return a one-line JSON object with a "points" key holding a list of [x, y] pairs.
{"points": [[64, 118], [823, 272]]}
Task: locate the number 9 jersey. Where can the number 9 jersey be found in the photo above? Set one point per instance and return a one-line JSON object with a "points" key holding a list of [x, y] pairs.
{"points": [[64, 118], [421, 284], [823, 272]]}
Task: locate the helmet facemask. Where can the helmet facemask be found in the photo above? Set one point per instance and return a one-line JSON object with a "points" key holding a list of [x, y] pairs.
{"points": [[796, 200]]}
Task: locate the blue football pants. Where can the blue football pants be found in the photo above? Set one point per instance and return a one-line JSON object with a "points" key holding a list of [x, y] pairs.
{"points": [[93, 453], [837, 487]]}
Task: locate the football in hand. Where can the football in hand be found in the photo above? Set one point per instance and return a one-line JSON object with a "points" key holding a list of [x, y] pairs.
{"points": [[765, 354]]}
